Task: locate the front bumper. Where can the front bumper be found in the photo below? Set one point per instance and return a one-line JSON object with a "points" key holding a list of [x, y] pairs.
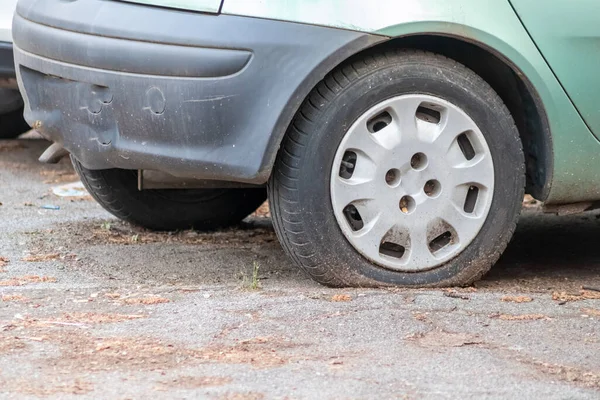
{"points": [[122, 85]]}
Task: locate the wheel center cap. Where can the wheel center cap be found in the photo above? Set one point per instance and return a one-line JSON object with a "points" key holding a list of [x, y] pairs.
{"points": [[412, 182]]}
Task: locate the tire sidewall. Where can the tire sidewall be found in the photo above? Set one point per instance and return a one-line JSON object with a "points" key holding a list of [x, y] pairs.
{"points": [[475, 98]]}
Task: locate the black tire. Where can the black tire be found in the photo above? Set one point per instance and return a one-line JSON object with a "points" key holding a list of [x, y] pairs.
{"points": [[299, 189], [12, 124], [167, 210]]}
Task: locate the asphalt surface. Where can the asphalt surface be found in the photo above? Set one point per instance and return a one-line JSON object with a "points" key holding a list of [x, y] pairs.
{"points": [[91, 307]]}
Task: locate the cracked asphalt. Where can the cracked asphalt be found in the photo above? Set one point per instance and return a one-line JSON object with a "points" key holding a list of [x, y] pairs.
{"points": [[91, 307]]}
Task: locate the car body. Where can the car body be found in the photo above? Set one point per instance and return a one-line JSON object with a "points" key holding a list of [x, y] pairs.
{"points": [[7, 9], [11, 103], [118, 84]]}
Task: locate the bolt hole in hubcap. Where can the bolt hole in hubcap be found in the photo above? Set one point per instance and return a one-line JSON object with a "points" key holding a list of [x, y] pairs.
{"points": [[407, 204], [392, 177], [432, 188], [418, 161], [437, 188]]}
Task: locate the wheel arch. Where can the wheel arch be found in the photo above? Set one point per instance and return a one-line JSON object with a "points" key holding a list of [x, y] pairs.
{"points": [[504, 75]]}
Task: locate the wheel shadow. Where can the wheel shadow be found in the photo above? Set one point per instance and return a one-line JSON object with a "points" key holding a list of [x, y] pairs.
{"points": [[547, 252], [550, 252], [117, 251]]}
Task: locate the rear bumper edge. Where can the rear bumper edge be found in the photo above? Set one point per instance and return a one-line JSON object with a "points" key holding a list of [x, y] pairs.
{"points": [[185, 115], [124, 55]]}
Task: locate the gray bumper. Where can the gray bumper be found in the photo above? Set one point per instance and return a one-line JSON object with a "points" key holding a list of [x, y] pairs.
{"points": [[121, 85]]}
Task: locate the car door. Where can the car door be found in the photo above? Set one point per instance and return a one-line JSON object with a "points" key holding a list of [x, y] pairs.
{"points": [[567, 33]]}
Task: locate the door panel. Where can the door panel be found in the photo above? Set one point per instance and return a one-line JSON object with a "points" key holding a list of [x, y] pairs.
{"points": [[567, 33]]}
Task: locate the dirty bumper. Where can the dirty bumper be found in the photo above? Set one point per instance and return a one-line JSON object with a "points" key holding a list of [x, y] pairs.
{"points": [[208, 100]]}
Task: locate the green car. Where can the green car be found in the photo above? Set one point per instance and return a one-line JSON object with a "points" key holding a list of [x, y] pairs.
{"points": [[395, 139]]}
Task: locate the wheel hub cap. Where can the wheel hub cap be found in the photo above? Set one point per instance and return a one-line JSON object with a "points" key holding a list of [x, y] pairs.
{"points": [[412, 182]]}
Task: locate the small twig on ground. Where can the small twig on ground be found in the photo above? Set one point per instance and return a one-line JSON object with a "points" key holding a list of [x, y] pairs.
{"points": [[255, 279], [83, 326], [593, 289], [35, 339], [456, 296]]}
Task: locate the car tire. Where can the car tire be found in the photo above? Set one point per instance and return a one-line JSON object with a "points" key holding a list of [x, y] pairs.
{"points": [[303, 190], [12, 124], [168, 209]]}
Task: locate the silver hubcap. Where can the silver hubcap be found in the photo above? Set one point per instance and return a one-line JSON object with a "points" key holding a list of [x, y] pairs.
{"points": [[412, 182]]}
